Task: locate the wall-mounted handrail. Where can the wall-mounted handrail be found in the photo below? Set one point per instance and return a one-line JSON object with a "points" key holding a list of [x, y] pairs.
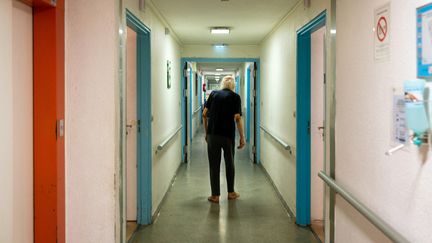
{"points": [[280, 141], [164, 143], [195, 111], [385, 228]]}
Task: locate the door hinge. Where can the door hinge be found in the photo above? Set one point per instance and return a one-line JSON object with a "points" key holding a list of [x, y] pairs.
{"points": [[139, 125], [253, 149], [325, 78], [185, 93], [60, 128]]}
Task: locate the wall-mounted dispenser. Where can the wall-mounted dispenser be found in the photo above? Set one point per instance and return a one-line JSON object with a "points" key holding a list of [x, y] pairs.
{"points": [[416, 114]]}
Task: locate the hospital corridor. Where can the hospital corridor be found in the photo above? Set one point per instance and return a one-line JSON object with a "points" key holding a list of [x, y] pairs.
{"points": [[114, 113]]}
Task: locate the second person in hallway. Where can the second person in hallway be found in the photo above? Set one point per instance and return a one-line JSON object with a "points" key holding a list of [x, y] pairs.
{"points": [[222, 108]]}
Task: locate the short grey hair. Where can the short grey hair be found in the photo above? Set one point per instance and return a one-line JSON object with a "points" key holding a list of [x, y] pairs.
{"points": [[228, 82]]}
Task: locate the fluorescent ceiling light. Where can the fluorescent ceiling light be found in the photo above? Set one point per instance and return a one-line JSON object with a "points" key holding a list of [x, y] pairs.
{"points": [[220, 30], [220, 46], [219, 69]]}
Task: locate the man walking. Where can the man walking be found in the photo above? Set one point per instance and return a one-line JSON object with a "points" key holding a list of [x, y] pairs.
{"points": [[222, 111]]}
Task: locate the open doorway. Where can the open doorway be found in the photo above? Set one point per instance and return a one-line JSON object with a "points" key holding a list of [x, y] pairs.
{"points": [[311, 102], [138, 126]]}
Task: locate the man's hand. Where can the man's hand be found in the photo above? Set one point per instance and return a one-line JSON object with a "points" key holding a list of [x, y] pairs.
{"points": [[242, 143]]}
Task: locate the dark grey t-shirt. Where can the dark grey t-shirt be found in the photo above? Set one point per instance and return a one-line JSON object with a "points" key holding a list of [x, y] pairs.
{"points": [[222, 105]]}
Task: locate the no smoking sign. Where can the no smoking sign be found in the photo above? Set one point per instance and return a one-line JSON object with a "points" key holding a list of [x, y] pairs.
{"points": [[382, 33], [381, 29]]}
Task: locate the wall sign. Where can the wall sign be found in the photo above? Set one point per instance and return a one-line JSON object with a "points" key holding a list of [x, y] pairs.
{"points": [[424, 41], [382, 33], [400, 130]]}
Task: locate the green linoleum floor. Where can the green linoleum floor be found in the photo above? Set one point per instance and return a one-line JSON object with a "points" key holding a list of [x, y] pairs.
{"points": [[187, 216]]}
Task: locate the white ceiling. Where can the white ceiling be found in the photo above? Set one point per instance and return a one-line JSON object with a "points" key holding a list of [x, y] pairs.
{"points": [[250, 20]]}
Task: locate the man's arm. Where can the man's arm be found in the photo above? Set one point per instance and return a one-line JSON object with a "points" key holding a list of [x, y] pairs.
{"points": [[239, 122], [205, 122]]}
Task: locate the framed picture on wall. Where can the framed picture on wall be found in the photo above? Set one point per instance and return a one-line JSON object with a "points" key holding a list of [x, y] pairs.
{"points": [[424, 41], [169, 74]]}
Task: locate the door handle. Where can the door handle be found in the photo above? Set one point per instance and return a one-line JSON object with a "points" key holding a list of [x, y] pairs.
{"points": [[320, 128]]}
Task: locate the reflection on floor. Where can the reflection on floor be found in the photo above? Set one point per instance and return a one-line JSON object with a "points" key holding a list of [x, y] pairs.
{"points": [[187, 216], [318, 228], [130, 228]]}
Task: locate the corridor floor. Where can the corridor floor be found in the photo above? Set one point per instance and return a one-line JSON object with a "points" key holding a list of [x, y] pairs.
{"points": [[187, 217]]}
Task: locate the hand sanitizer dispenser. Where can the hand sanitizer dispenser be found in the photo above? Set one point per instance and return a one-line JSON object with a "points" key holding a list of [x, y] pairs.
{"points": [[416, 115]]}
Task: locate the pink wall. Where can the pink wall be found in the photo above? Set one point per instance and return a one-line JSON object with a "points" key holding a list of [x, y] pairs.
{"points": [[22, 59], [6, 123]]}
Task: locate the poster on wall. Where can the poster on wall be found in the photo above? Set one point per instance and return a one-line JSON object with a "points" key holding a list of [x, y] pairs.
{"points": [[424, 41], [169, 73], [382, 33]]}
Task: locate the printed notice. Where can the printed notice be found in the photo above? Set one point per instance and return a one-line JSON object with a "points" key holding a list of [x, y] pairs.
{"points": [[400, 131], [382, 33]]}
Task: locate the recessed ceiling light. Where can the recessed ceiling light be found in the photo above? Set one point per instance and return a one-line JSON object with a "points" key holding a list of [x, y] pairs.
{"points": [[220, 30], [219, 69]]}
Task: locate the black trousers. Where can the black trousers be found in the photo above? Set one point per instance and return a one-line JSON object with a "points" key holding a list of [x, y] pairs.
{"points": [[215, 145]]}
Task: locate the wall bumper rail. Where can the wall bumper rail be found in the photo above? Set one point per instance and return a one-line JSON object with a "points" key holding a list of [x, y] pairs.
{"points": [[383, 226], [161, 146], [197, 110], [285, 145]]}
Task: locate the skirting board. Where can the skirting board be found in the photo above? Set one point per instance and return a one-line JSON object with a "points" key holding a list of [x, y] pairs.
{"points": [[287, 208]]}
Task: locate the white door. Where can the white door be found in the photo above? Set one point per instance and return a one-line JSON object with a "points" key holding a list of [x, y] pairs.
{"points": [[22, 56], [252, 112], [131, 130], [317, 122]]}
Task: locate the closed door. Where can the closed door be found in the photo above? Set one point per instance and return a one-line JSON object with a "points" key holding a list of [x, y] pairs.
{"points": [[132, 125], [317, 124]]}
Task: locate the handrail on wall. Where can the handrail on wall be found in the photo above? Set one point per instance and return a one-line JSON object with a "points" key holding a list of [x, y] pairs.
{"points": [[385, 228], [164, 143], [199, 108], [280, 141]]}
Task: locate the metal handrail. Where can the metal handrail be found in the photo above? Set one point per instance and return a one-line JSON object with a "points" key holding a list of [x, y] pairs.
{"points": [[385, 228], [199, 108], [280, 141], [164, 143]]}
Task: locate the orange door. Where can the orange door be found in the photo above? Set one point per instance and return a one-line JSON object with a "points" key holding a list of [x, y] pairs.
{"points": [[49, 164]]}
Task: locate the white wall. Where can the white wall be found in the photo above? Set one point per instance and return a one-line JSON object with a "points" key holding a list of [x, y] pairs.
{"points": [[92, 81], [22, 61], [397, 188], [278, 98], [209, 51], [6, 124], [165, 102]]}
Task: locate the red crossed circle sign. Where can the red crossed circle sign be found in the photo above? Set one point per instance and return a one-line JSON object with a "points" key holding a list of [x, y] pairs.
{"points": [[382, 29]]}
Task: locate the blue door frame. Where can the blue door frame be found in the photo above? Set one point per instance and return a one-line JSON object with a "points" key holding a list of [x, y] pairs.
{"points": [[144, 156], [185, 60], [303, 187]]}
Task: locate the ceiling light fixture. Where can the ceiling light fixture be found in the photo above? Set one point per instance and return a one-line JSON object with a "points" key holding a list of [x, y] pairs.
{"points": [[220, 30], [220, 45], [219, 69]]}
